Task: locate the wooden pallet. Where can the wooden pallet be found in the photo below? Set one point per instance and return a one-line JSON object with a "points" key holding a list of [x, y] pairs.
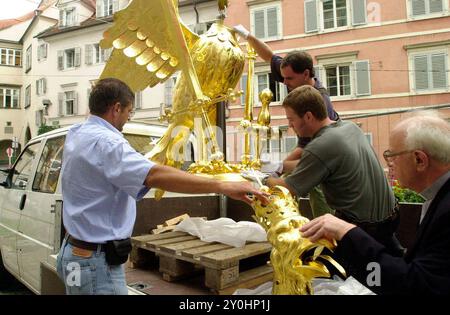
{"points": [[226, 268]]}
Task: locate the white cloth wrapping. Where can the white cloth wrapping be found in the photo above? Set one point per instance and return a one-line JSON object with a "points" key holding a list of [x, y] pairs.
{"points": [[223, 230]]}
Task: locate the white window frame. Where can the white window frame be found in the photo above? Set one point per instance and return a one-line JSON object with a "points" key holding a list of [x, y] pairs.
{"points": [[281, 88], [346, 60], [42, 51], [41, 86], [10, 53], [335, 27], [428, 51], [113, 5], [427, 14], [14, 94], [265, 7], [67, 58], [68, 17], [67, 101], [338, 65]]}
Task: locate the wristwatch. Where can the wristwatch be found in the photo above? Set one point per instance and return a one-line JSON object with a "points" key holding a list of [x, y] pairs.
{"points": [[264, 179]]}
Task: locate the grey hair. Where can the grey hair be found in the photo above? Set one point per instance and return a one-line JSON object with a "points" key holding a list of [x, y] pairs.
{"points": [[430, 134]]}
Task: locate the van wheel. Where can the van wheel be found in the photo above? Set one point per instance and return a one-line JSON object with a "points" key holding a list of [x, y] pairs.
{"points": [[6, 279]]}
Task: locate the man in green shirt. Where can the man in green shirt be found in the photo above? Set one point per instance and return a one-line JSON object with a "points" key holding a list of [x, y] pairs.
{"points": [[342, 162]]}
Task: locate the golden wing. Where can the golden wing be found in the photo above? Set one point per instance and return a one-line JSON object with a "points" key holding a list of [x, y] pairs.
{"points": [[150, 45]]}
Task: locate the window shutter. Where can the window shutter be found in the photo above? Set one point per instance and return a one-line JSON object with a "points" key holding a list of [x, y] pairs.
{"points": [[37, 87], [89, 49], [75, 103], [38, 118], [77, 56], [418, 7], [99, 5], [61, 18], [44, 85], [438, 68], [60, 59], [138, 100], [259, 24], [359, 12], [107, 54], [317, 69], [311, 14], [421, 72], [44, 51], [272, 22], [436, 6], [60, 104], [115, 6], [243, 88], [362, 75], [39, 52]]}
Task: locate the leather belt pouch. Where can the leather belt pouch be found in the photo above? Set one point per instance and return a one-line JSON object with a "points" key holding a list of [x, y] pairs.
{"points": [[116, 252]]}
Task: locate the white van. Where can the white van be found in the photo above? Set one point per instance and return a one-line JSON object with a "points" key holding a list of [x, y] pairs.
{"points": [[31, 203]]}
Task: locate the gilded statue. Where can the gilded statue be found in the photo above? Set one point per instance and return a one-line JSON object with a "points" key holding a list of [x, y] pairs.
{"points": [[295, 260], [151, 44]]}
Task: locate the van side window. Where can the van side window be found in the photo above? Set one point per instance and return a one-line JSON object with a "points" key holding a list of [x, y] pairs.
{"points": [[49, 166], [23, 167]]}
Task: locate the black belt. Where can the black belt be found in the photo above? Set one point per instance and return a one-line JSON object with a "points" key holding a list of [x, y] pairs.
{"points": [[84, 245]]}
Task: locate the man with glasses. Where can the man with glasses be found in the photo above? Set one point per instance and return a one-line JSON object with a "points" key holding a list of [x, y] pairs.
{"points": [[419, 156]]}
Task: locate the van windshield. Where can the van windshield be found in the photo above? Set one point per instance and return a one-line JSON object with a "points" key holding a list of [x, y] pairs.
{"points": [[141, 143]]}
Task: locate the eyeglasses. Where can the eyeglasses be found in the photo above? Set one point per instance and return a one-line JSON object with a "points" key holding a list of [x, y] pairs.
{"points": [[389, 155], [131, 113]]}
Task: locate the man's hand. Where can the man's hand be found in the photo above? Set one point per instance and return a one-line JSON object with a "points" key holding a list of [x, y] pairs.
{"points": [[326, 226], [241, 30], [243, 191]]}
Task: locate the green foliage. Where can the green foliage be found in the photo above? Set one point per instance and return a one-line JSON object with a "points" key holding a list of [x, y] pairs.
{"points": [[44, 128], [406, 195]]}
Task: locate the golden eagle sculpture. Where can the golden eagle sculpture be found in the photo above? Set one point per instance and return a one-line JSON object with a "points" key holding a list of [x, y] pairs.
{"points": [[150, 44]]}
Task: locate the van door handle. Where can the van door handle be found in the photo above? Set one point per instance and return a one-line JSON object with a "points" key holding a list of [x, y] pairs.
{"points": [[22, 202]]}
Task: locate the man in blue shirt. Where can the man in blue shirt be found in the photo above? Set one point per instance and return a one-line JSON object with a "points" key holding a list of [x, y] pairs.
{"points": [[102, 177]]}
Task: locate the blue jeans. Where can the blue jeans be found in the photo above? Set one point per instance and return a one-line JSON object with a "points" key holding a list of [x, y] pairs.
{"points": [[89, 275]]}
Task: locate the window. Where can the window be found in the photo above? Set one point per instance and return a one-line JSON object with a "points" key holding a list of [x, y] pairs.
{"points": [[68, 17], [68, 103], [22, 170], [49, 167], [243, 87], [328, 15], [264, 80], [430, 71], [107, 7], [343, 76], [290, 143], [266, 22], [138, 100], [41, 86], [42, 51], [9, 97], [10, 57], [338, 80], [94, 54], [69, 58], [28, 96], [28, 59], [39, 118], [334, 13], [420, 8], [168, 90]]}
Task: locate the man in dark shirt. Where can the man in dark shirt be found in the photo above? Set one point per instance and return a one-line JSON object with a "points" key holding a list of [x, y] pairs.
{"points": [[294, 70]]}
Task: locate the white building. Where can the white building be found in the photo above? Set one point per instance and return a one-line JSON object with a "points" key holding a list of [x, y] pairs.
{"points": [[50, 61]]}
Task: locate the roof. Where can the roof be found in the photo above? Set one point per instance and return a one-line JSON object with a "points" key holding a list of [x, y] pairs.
{"points": [[89, 3], [90, 22], [43, 5]]}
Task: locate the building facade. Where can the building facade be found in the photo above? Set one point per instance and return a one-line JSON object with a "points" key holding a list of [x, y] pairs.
{"points": [[378, 59]]}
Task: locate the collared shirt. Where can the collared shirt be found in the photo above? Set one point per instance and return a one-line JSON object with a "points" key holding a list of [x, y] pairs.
{"points": [[431, 192], [102, 176]]}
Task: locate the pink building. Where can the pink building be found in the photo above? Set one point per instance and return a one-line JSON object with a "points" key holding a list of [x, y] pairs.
{"points": [[378, 59]]}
